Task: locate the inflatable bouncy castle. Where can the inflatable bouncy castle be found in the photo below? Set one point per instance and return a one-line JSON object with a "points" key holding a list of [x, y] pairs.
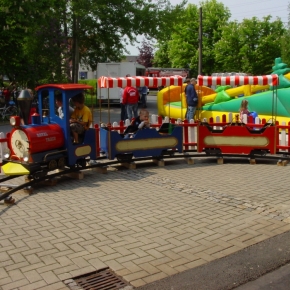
{"points": [[226, 98]]}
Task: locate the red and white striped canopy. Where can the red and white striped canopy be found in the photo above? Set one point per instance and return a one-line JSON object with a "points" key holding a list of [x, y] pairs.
{"points": [[238, 80], [107, 82]]}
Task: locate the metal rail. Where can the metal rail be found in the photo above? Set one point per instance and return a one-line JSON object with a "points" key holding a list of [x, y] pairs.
{"points": [[187, 154]]}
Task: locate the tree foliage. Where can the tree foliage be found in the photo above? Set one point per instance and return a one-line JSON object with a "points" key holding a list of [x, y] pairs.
{"points": [[161, 57], [19, 20], [145, 54], [250, 46], [45, 40], [50, 38], [183, 44]]}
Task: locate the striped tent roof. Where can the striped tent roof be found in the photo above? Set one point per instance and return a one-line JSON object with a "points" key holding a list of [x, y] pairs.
{"points": [[108, 82], [238, 80]]}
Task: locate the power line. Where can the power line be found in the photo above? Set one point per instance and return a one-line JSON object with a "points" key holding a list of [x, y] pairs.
{"points": [[276, 8], [262, 11], [250, 3]]}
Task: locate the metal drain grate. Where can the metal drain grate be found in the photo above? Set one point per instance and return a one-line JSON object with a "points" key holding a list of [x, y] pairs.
{"points": [[104, 279]]}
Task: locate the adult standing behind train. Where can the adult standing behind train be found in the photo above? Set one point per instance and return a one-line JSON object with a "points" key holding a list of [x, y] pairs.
{"points": [[191, 99], [123, 107], [143, 93], [7, 94], [130, 100]]}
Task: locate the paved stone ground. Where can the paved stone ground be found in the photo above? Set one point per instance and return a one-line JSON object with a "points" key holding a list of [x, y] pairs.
{"points": [[145, 224]]}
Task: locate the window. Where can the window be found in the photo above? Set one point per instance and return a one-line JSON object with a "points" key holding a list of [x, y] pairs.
{"points": [[83, 75], [45, 103]]}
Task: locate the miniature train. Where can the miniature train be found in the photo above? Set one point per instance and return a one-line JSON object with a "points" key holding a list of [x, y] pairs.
{"points": [[46, 144]]}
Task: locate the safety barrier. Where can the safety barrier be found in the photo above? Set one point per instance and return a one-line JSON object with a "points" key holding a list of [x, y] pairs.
{"points": [[190, 128]]}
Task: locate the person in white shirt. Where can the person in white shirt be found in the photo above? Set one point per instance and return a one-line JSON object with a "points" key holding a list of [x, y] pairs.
{"points": [[58, 101]]}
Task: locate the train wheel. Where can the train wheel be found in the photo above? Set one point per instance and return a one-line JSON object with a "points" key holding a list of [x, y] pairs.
{"points": [[38, 174], [52, 165], [82, 163], [168, 153], [212, 151], [125, 157], [258, 152], [61, 163], [28, 177]]}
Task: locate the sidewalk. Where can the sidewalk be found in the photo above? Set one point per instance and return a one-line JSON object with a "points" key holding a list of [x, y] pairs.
{"points": [[145, 224]]}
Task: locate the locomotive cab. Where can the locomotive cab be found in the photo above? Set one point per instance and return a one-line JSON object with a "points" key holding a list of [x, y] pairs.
{"points": [[45, 143], [47, 96]]}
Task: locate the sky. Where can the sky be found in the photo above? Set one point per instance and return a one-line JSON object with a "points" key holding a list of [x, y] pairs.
{"points": [[240, 10]]}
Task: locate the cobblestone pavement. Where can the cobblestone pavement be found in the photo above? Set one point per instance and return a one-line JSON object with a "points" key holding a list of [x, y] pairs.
{"points": [[145, 224]]}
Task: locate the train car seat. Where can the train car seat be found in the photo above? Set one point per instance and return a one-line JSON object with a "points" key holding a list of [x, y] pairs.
{"points": [[166, 128]]}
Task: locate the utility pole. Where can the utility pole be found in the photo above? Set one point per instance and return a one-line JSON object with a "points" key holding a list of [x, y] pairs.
{"points": [[200, 43]]}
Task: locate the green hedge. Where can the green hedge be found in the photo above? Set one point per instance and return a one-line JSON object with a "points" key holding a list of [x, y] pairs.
{"points": [[91, 96]]}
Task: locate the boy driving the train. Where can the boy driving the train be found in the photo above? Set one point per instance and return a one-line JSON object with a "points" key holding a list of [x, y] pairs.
{"points": [[81, 118]]}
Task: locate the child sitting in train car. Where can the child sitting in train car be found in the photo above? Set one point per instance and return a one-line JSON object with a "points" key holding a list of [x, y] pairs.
{"points": [[141, 122], [244, 109], [58, 101], [81, 118]]}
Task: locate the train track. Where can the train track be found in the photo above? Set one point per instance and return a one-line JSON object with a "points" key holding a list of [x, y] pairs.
{"points": [[187, 154]]}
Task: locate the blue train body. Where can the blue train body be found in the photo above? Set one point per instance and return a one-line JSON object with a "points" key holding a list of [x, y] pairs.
{"points": [[146, 142]]}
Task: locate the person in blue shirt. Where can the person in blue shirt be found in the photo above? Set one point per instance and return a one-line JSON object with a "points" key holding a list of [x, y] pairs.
{"points": [[191, 99], [143, 93]]}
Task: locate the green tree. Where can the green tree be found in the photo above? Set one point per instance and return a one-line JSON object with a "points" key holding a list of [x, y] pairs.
{"points": [[45, 40], [100, 33], [227, 49], [168, 27], [215, 17], [18, 21], [183, 43], [250, 46], [161, 57]]}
